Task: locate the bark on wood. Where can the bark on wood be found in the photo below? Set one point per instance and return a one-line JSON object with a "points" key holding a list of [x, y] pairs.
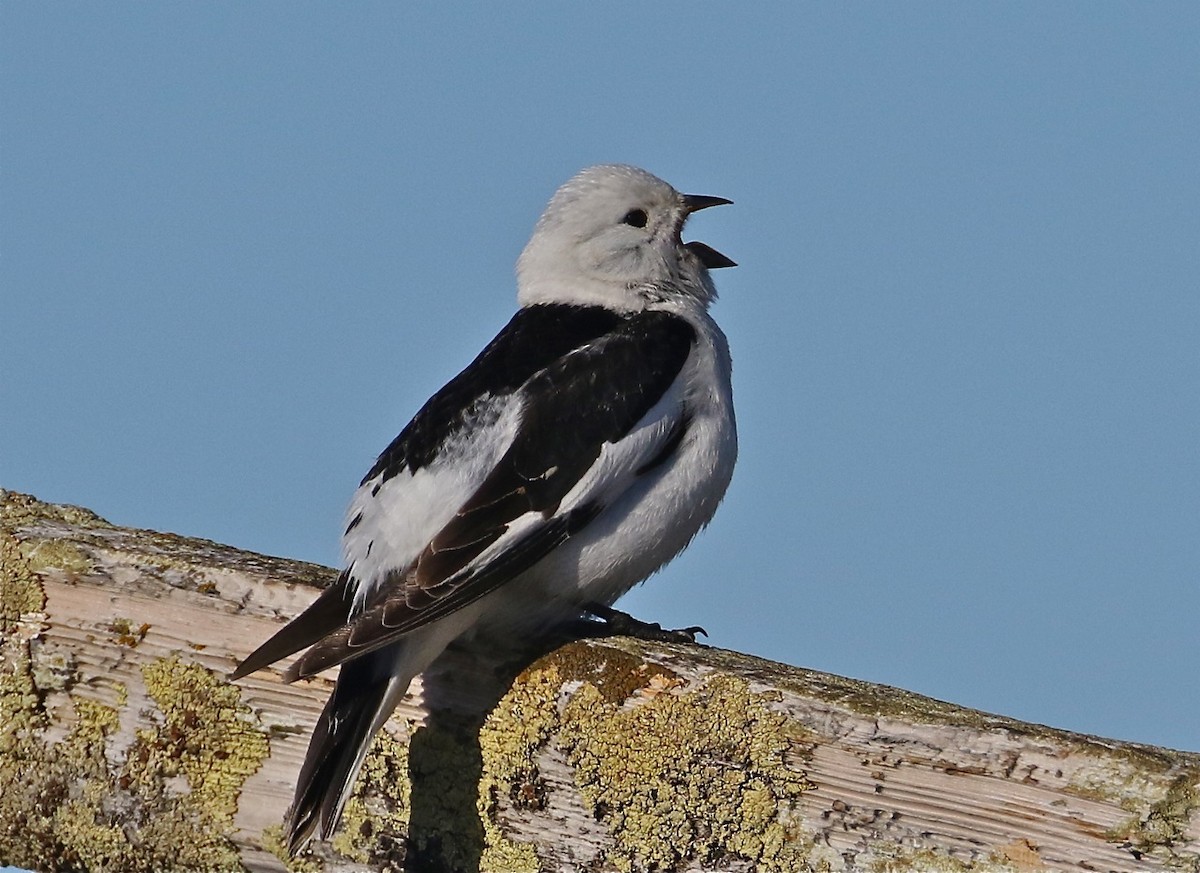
{"points": [[123, 748]]}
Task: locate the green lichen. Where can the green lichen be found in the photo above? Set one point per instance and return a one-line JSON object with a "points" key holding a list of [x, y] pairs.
{"points": [[182, 560], [520, 725], [55, 672], [1130, 760], [18, 509], [375, 819], [20, 592], [273, 841], [697, 776], [207, 735], [1126, 775], [1162, 829], [679, 777], [60, 555]]}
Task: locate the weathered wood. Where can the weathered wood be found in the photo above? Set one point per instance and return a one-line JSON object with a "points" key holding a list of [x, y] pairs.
{"points": [[123, 748]]}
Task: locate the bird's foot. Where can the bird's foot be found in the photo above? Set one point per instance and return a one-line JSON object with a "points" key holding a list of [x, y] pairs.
{"points": [[622, 624]]}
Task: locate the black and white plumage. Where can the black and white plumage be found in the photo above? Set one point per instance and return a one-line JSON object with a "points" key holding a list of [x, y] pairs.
{"points": [[578, 453]]}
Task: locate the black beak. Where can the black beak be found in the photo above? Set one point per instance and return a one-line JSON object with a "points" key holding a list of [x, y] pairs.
{"points": [[710, 257], [696, 202]]}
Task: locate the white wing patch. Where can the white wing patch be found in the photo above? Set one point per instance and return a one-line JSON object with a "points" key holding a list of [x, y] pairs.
{"points": [[399, 519]]}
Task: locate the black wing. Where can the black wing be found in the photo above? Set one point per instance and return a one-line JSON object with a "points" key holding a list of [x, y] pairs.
{"points": [[591, 396], [534, 338]]}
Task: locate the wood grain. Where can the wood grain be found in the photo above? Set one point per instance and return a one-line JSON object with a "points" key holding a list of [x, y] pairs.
{"points": [[599, 755]]}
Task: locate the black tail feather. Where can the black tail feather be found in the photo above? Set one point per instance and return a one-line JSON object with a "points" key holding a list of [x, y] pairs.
{"points": [[365, 694]]}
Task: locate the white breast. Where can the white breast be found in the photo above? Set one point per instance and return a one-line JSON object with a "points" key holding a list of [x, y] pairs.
{"points": [[661, 511]]}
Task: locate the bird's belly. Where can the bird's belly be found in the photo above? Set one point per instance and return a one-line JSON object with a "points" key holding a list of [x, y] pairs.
{"points": [[649, 525]]}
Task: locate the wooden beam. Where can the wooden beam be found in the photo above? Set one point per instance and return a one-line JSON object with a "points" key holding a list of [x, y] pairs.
{"points": [[122, 747]]}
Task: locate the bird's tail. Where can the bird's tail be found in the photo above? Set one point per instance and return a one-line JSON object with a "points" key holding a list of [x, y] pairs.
{"points": [[367, 690]]}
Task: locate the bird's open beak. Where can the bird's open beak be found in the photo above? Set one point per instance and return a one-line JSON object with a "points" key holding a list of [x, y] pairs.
{"points": [[696, 202], [710, 257]]}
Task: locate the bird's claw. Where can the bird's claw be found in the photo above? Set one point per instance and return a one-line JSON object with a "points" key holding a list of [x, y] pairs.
{"points": [[622, 624]]}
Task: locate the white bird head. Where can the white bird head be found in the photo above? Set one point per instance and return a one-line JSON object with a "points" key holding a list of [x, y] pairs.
{"points": [[611, 236]]}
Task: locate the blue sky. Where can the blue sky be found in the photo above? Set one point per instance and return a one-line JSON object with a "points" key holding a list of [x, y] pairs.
{"points": [[240, 244]]}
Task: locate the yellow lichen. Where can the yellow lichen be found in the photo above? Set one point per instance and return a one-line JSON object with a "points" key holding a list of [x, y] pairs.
{"points": [[208, 735], [509, 740], [96, 840], [25, 811], [273, 842], [677, 776], [719, 790], [62, 555], [20, 592], [687, 777], [168, 804], [444, 830], [66, 805], [136, 817], [375, 819], [507, 856]]}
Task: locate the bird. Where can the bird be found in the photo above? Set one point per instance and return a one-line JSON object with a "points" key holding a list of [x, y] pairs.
{"points": [[581, 450]]}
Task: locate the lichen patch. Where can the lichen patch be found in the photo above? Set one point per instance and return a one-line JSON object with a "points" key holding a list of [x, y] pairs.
{"points": [[207, 734], [668, 770], [19, 509], [167, 805], [520, 725], [703, 770], [376, 815]]}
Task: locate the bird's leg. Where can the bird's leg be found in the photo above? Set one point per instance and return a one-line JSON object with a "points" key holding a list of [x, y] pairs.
{"points": [[617, 623]]}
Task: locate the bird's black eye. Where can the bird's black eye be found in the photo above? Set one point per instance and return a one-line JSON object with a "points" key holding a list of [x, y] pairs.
{"points": [[635, 217]]}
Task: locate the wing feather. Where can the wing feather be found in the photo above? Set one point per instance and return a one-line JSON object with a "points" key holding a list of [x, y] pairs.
{"points": [[323, 616], [442, 456], [589, 398]]}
